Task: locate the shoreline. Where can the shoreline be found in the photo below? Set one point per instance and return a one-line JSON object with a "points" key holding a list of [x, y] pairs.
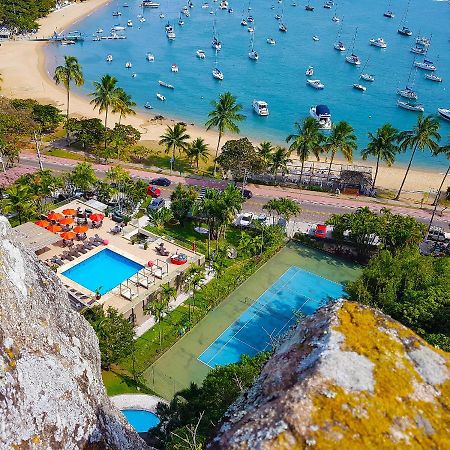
{"points": [[24, 71]]}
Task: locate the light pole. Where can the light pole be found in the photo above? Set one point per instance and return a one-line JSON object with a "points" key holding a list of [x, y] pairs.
{"points": [[37, 143]]}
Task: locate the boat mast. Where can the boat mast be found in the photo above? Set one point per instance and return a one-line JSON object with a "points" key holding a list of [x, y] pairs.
{"points": [[403, 22]]}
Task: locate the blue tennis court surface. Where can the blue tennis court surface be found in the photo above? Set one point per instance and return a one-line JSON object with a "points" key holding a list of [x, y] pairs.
{"points": [[271, 315]]}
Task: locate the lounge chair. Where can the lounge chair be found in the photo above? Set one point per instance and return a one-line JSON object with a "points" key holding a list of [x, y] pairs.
{"points": [[74, 252], [88, 245], [57, 261], [142, 280], [127, 292], [81, 249], [94, 242], [67, 256]]}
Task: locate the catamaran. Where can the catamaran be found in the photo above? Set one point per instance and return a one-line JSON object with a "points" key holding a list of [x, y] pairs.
{"points": [[150, 57]]}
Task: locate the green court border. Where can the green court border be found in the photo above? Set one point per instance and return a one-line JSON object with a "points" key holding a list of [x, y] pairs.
{"points": [[179, 366]]}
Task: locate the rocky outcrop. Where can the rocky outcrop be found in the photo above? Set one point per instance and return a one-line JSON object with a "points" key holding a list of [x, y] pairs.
{"points": [[51, 390], [348, 377]]}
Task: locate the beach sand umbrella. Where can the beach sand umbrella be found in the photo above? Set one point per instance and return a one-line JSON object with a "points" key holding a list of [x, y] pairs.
{"points": [[80, 229], [42, 223], [68, 235], [54, 216], [66, 221], [54, 228], [69, 212], [96, 217]]}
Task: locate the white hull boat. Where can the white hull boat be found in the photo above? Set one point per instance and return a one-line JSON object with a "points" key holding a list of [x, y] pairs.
{"points": [[433, 77], [444, 113], [166, 85], [339, 46], [160, 97], [367, 77], [353, 59], [200, 54], [322, 114], [359, 87], [316, 84], [425, 65], [378, 42], [150, 57], [408, 93], [309, 71], [217, 74], [416, 107], [260, 107], [109, 58], [271, 41]]}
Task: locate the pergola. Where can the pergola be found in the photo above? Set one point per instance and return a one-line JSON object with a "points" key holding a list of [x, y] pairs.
{"points": [[35, 237]]}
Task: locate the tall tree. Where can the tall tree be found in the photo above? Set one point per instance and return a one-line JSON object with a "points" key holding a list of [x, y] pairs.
{"points": [[105, 97], [82, 176], [280, 160], [424, 135], [175, 138], [124, 105], [65, 74], [343, 139], [198, 150], [383, 146], [224, 116], [306, 141], [265, 151], [19, 200]]}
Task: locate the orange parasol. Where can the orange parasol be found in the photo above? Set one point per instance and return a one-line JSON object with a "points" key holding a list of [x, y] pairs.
{"points": [[69, 211], [54, 228], [54, 216], [80, 229], [66, 221], [42, 223], [68, 235], [96, 217]]}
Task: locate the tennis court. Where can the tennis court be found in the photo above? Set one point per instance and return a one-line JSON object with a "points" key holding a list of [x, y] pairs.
{"points": [[271, 315]]}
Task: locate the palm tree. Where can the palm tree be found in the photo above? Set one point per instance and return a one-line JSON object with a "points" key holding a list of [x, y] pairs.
{"points": [[82, 176], [265, 151], [175, 138], [19, 200], [383, 146], [198, 150], [124, 105], [280, 160], [194, 277], [424, 135], [106, 96], [224, 117], [65, 74], [307, 141], [343, 139]]}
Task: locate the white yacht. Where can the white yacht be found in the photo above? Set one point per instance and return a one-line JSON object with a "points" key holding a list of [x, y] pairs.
{"points": [[408, 93], [405, 31], [316, 84], [444, 113], [171, 35], [271, 41], [128, 65], [150, 57], [367, 77], [309, 71], [117, 28], [417, 107], [322, 114], [250, 29], [335, 18], [149, 4], [174, 68], [316, 38], [425, 65], [339, 46], [359, 87], [260, 107], [166, 85], [433, 77], [253, 54], [200, 54], [353, 59], [109, 58], [160, 97], [419, 50], [378, 42], [217, 74]]}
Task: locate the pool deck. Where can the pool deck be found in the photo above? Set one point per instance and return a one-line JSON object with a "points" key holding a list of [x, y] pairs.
{"points": [[121, 244]]}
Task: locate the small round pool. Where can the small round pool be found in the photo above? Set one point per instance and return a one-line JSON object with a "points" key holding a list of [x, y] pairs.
{"points": [[140, 419]]}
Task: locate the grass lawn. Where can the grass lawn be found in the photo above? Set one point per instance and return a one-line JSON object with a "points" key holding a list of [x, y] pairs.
{"points": [[61, 153]]}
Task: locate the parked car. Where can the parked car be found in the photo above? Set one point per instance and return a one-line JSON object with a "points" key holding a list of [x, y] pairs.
{"points": [[155, 204], [246, 219], [153, 191], [438, 234], [320, 231], [246, 193], [161, 181]]}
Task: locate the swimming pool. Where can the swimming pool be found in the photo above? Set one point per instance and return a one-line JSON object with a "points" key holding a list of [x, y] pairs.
{"points": [[271, 315], [140, 419], [103, 271]]}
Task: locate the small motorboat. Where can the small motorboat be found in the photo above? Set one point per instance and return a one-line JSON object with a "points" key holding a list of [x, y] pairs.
{"points": [[168, 27], [244, 23], [67, 42], [253, 54], [117, 28], [444, 113], [316, 84], [129, 23], [216, 44], [128, 65], [359, 87], [205, 6], [99, 31], [335, 18], [200, 54], [250, 29], [150, 4], [328, 4], [160, 97], [109, 58], [174, 68], [378, 42], [309, 71], [353, 59], [277, 17], [423, 41], [316, 38], [339, 46], [217, 74], [171, 35], [433, 77], [161, 16], [418, 50], [322, 114], [125, 5], [389, 14], [134, 75], [271, 41], [404, 31], [425, 65], [250, 19], [150, 57], [260, 107], [116, 13], [417, 107], [166, 85], [180, 22], [309, 8], [367, 77], [282, 27], [408, 93], [142, 19], [230, 11]]}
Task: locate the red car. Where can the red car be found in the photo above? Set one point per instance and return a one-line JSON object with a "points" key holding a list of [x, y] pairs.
{"points": [[153, 191], [321, 231]]}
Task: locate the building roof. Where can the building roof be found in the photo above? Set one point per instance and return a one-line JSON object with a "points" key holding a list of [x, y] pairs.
{"points": [[35, 237]]}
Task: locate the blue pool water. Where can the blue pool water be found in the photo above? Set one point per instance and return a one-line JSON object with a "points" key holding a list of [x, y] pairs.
{"points": [[140, 420], [279, 75], [103, 271], [271, 315]]}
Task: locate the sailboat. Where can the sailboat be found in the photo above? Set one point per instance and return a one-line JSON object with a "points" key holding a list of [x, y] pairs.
{"points": [[366, 76], [253, 54], [339, 45], [404, 30], [216, 44], [388, 13], [408, 92], [353, 58], [216, 72]]}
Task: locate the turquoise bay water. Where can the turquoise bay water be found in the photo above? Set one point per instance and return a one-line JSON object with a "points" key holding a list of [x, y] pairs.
{"points": [[103, 271], [278, 77], [140, 419]]}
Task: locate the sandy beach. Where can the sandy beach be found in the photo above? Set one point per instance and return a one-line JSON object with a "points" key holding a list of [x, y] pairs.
{"points": [[22, 66]]}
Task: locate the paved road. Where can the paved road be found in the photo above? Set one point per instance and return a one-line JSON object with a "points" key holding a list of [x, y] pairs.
{"points": [[316, 207]]}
